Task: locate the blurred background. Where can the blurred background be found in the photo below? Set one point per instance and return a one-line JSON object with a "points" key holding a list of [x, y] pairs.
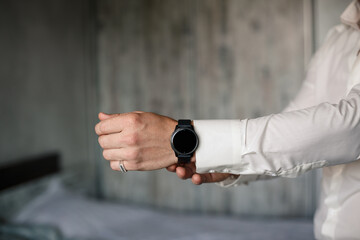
{"points": [[61, 62]]}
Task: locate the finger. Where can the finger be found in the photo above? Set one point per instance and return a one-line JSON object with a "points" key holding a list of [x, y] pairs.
{"points": [[171, 168], [104, 116], [184, 172], [115, 140], [128, 154], [112, 124], [192, 166], [218, 177], [181, 172], [198, 179], [115, 165]]}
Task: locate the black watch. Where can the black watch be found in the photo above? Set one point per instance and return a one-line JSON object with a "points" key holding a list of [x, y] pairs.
{"points": [[184, 141]]}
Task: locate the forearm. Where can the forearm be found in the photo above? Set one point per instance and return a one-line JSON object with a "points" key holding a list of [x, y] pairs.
{"points": [[290, 143]]}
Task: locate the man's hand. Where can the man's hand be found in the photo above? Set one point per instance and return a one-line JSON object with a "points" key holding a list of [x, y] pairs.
{"points": [[189, 171], [140, 139]]}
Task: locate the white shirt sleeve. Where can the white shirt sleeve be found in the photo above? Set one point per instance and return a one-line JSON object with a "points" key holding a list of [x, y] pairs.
{"points": [[285, 144], [307, 135], [228, 134]]}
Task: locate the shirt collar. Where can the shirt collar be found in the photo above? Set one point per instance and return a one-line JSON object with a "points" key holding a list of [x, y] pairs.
{"points": [[351, 15]]}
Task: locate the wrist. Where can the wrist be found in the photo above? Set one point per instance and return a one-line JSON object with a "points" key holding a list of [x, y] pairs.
{"points": [[172, 125], [184, 141]]}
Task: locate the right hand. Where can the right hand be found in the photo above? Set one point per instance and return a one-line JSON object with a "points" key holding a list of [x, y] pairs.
{"points": [[189, 171]]}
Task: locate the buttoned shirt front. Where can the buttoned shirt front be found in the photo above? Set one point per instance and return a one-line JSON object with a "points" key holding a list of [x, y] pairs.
{"points": [[320, 128]]}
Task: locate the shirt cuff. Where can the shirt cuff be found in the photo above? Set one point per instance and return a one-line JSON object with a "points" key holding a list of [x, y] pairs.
{"points": [[236, 180], [220, 144]]}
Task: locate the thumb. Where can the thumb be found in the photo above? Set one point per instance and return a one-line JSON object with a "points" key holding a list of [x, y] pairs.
{"points": [[198, 179], [103, 116]]}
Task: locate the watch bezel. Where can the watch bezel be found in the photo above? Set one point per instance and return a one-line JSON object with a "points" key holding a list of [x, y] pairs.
{"points": [[184, 129]]}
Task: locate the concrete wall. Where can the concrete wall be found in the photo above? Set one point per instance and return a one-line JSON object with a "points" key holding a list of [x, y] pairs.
{"points": [[327, 15], [46, 87], [203, 60], [186, 59]]}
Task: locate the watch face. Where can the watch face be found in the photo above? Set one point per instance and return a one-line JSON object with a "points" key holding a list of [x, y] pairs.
{"points": [[185, 141]]}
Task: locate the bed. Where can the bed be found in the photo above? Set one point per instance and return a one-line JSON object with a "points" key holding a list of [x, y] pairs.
{"points": [[58, 213]]}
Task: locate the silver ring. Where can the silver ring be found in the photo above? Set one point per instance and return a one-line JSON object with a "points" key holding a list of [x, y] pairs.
{"points": [[122, 167]]}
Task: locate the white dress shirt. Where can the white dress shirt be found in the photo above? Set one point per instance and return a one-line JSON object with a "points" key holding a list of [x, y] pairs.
{"points": [[319, 129]]}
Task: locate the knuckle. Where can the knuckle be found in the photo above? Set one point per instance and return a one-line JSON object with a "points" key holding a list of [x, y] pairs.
{"points": [[107, 154], [133, 154], [134, 165], [133, 139], [131, 166], [138, 166], [134, 119]]}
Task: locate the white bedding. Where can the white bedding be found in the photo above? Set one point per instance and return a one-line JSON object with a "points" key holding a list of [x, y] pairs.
{"points": [[83, 218]]}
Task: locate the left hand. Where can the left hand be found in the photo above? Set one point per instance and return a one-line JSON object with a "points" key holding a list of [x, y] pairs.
{"points": [[189, 171], [140, 139]]}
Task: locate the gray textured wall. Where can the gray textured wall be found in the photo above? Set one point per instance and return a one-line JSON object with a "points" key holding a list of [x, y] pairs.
{"points": [[197, 59], [327, 15], [203, 60], [45, 83]]}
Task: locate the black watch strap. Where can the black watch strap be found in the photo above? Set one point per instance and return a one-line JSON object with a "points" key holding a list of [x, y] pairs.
{"points": [[184, 159], [184, 123]]}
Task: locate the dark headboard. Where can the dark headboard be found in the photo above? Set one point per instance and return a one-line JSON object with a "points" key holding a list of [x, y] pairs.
{"points": [[28, 169]]}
